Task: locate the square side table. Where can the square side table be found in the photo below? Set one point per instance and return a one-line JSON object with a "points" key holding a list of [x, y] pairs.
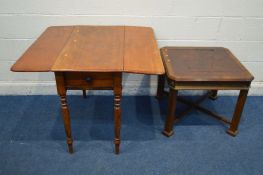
{"points": [[202, 68]]}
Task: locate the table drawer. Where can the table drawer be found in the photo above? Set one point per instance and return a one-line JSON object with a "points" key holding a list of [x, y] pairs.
{"points": [[88, 80]]}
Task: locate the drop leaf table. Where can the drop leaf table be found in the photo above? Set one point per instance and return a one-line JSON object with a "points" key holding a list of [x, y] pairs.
{"points": [[92, 57]]}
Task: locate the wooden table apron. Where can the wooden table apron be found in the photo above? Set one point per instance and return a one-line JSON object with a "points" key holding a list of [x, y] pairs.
{"points": [[174, 87], [90, 81]]}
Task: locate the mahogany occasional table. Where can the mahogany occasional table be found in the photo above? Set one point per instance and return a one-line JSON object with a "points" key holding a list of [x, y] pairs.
{"points": [[92, 57], [202, 68]]}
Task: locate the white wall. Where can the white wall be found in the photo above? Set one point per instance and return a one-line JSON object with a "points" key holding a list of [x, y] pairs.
{"points": [[236, 24]]}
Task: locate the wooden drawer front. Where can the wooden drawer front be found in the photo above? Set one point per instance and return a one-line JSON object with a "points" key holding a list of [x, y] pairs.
{"points": [[88, 80]]}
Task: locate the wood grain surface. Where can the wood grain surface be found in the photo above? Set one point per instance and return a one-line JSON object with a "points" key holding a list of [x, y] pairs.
{"points": [[141, 53], [93, 49], [203, 64], [42, 54]]}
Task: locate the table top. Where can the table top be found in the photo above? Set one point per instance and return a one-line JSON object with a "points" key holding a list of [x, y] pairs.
{"points": [[203, 64], [93, 49]]}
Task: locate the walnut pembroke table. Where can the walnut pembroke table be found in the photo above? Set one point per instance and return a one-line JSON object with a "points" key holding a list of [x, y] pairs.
{"points": [[92, 57]]}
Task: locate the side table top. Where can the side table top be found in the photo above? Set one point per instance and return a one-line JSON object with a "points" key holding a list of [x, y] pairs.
{"points": [[93, 49], [203, 64]]}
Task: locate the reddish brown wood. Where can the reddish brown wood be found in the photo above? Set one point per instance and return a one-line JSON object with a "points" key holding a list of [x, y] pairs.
{"points": [[238, 112], [168, 129], [42, 54], [92, 57], [92, 49], [61, 89], [112, 81], [89, 80], [117, 109], [140, 47]]}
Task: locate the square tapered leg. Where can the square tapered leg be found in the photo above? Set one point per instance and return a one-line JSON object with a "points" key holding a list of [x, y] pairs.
{"points": [[168, 130], [160, 88], [233, 130]]}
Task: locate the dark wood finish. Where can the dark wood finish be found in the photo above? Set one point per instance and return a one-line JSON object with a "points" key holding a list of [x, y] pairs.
{"points": [[117, 109], [203, 85], [204, 68], [84, 93], [89, 80], [92, 57], [160, 88], [196, 105], [238, 112], [203, 64], [213, 94], [168, 129]]}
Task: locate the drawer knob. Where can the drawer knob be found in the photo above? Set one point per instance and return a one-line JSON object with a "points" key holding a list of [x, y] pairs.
{"points": [[88, 79]]}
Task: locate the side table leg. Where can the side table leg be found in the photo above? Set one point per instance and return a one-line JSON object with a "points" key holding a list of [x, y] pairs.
{"points": [[238, 112], [117, 111], [213, 94], [168, 130], [160, 88]]}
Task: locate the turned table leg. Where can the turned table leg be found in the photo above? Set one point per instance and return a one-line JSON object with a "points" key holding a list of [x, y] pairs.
{"points": [[117, 111], [66, 119], [64, 108], [238, 112], [160, 88], [168, 130]]}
